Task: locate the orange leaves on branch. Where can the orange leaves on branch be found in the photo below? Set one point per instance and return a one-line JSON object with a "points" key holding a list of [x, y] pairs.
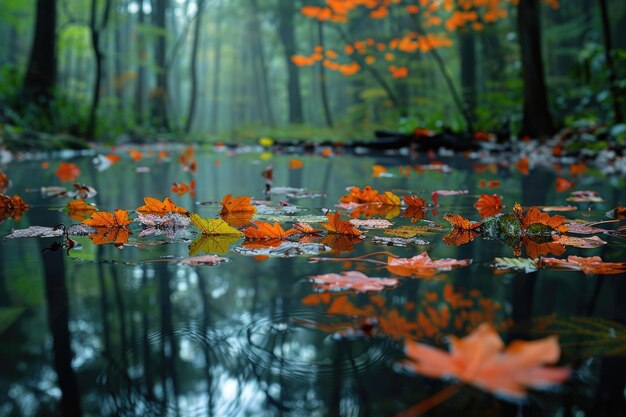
{"points": [[534, 217], [340, 227], [398, 72], [460, 223], [12, 207], [67, 172], [488, 206], [590, 265], [161, 208], [422, 266], [265, 231], [480, 359]]}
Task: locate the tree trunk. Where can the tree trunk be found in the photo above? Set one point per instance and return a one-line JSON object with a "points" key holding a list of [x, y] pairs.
{"points": [[608, 55], [96, 30], [256, 27], [536, 120], [141, 72], [215, 93], [40, 78], [467, 52], [287, 36], [327, 115], [159, 111], [193, 70]]}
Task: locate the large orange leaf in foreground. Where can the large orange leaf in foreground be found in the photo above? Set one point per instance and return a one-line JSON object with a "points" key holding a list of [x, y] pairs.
{"points": [[480, 359], [422, 266], [535, 216], [488, 206]]}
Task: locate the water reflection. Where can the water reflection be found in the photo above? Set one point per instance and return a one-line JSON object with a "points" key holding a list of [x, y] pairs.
{"points": [[132, 332]]}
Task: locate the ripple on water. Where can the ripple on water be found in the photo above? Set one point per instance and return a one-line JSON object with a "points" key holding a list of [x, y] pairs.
{"points": [[289, 345]]}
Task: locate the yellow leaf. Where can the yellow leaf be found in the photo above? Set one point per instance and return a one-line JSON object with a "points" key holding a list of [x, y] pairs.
{"points": [[213, 227]]}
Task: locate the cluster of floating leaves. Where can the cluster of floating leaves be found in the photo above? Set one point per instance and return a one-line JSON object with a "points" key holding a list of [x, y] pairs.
{"points": [[479, 359]]}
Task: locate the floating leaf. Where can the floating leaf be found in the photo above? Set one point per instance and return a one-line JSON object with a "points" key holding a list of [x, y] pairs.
{"points": [[168, 221], [306, 228], [12, 207], [78, 210], [35, 231], [585, 197], [237, 205], [285, 249], [340, 227], [4, 182], [460, 223], [161, 208], [591, 265], [534, 219], [536, 248], [458, 237], [517, 264], [488, 206], [480, 359], [263, 230], [204, 260], [580, 242], [422, 266], [211, 244], [558, 208], [67, 172], [213, 227], [583, 228], [408, 232], [180, 188], [398, 241], [352, 280], [444, 193], [563, 185], [371, 223], [103, 219]]}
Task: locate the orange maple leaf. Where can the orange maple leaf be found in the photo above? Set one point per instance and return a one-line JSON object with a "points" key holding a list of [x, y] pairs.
{"points": [[340, 227], [160, 208], [306, 228], [590, 265], [356, 195], [263, 230], [180, 188], [67, 172], [461, 223], [103, 219], [13, 207], [563, 185], [458, 237], [480, 359], [414, 201], [488, 206], [237, 205], [422, 265], [536, 216], [78, 210]]}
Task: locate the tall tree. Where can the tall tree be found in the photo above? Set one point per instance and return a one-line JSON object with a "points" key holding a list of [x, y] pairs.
{"points": [[610, 67], [217, 46], [323, 84], [141, 73], [193, 70], [97, 28], [287, 36], [40, 75], [536, 119], [159, 102], [260, 60]]}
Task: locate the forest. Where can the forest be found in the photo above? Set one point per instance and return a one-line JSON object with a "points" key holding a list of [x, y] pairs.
{"points": [[207, 70], [323, 208]]}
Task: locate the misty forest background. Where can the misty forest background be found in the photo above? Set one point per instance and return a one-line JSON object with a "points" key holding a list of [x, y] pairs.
{"points": [[241, 69]]}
